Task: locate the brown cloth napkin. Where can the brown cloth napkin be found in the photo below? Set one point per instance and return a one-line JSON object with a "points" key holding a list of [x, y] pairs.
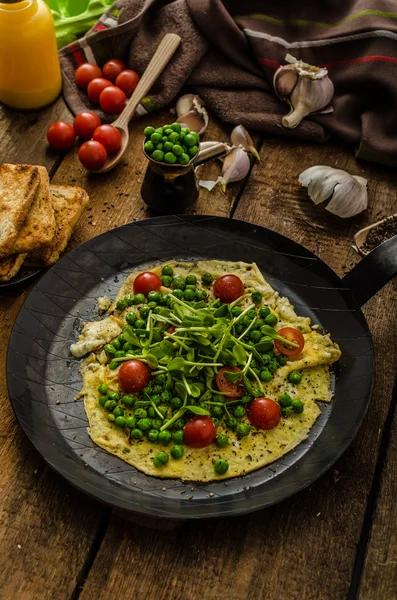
{"points": [[231, 49]]}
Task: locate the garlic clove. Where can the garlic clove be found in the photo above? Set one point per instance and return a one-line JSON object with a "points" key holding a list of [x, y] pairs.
{"points": [[320, 182], [235, 167], [241, 137], [195, 121], [349, 198], [188, 102], [284, 81]]}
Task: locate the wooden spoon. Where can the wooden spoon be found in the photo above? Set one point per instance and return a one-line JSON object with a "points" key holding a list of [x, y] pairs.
{"points": [[361, 236], [161, 57]]}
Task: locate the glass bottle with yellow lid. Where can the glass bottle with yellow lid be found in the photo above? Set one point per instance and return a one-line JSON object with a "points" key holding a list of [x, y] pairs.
{"points": [[30, 75]]}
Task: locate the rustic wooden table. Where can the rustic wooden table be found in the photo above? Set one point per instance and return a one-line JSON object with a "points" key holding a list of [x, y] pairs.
{"points": [[335, 540]]}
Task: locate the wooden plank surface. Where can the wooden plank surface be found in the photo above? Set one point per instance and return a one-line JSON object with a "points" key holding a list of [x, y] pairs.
{"points": [[305, 547]]}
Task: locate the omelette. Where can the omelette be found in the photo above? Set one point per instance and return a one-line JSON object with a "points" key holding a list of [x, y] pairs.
{"points": [[210, 368]]}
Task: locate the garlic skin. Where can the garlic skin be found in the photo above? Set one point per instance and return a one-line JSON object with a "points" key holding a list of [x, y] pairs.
{"points": [[241, 138], [306, 88], [347, 193], [191, 113], [235, 167]]}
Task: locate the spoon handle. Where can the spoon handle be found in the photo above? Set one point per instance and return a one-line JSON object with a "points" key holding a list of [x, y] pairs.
{"points": [[161, 57]]}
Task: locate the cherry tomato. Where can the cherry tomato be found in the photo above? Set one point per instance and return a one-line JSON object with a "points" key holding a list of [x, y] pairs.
{"points": [[112, 100], [85, 124], [228, 288], [86, 73], [92, 155], [264, 413], [127, 81], [96, 87], [199, 432], [147, 282], [112, 68], [109, 137], [235, 389], [60, 135], [293, 335], [134, 375], [171, 329]]}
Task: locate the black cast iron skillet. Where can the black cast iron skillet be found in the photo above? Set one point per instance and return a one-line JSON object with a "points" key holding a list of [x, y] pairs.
{"points": [[43, 378]]}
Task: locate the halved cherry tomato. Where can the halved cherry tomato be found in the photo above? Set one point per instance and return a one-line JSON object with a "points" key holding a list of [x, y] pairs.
{"points": [[293, 335], [112, 100], [133, 376], [228, 288], [235, 389], [86, 73], [264, 413], [127, 81], [171, 329], [60, 135], [199, 432], [96, 87], [92, 155], [147, 282], [112, 68], [109, 136], [85, 124]]}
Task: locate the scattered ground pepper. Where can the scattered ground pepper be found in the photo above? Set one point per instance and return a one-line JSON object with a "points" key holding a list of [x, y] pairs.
{"points": [[381, 233]]}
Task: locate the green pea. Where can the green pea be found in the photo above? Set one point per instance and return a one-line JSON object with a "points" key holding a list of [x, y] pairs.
{"points": [[184, 158], [207, 279], [147, 132], [245, 321], [121, 339], [160, 130], [109, 349], [148, 147], [102, 400], [295, 377], [176, 127], [166, 280], [157, 388], [242, 430], [191, 280], [151, 413], [139, 299], [129, 298], [272, 366], [131, 422], [239, 412], [285, 400], [177, 452], [119, 354], [111, 418], [140, 324], [246, 399], [153, 296], [165, 437], [157, 423], [136, 434], [170, 158], [163, 410], [178, 283], [113, 364], [181, 140], [216, 411], [239, 328], [192, 151], [156, 137], [185, 130], [160, 378], [153, 435], [178, 293], [256, 336], [201, 295], [110, 405], [131, 318], [152, 305], [163, 300], [236, 311], [155, 398], [177, 150], [221, 466], [120, 421], [113, 396], [164, 139], [173, 137], [231, 423], [222, 440], [127, 347], [103, 388], [251, 314], [118, 412], [167, 270], [168, 146], [265, 376], [121, 305], [178, 436], [282, 360], [144, 312], [144, 424], [271, 320], [256, 296], [179, 424], [175, 403], [287, 411], [190, 140], [189, 295], [140, 413], [128, 400], [158, 154], [160, 459], [297, 405], [165, 396]]}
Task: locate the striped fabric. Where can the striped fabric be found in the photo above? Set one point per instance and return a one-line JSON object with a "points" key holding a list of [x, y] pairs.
{"points": [[231, 49]]}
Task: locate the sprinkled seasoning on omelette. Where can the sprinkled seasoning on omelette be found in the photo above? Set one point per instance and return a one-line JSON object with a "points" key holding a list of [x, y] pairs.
{"points": [[202, 372]]}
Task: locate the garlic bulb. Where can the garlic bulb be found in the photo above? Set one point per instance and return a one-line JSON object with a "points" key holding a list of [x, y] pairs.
{"points": [[191, 113], [347, 193], [241, 138], [306, 88], [235, 167]]}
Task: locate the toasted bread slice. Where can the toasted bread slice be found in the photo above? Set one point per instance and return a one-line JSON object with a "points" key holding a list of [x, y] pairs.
{"points": [[68, 203], [39, 227], [18, 186], [10, 266]]}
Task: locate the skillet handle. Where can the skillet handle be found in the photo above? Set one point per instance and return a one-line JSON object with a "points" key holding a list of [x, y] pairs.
{"points": [[373, 272]]}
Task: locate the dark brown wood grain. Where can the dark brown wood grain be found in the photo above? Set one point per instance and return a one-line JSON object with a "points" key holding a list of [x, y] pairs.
{"points": [[305, 547]]}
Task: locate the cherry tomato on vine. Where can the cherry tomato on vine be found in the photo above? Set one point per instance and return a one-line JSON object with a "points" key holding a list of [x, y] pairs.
{"points": [[96, 87], [134, 375], [235, 388], [60, 135], [85, 124], [109, 137], [147, 282], [113, 68], [228, 288], [199, 432], [92, 155], [127, 81], [293, 335], [112, 100], [86, 73], [264, 413]]}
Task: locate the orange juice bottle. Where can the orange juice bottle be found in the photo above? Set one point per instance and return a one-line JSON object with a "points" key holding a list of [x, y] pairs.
{"points": [[30, 75]]}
